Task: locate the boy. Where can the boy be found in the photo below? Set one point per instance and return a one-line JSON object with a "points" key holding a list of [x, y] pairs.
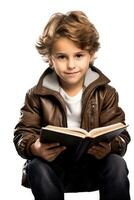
{"points": [[72, 93]]}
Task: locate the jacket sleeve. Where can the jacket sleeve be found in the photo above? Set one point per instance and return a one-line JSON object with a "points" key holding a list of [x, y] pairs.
{"points": [[28, 128], [111, 113]]}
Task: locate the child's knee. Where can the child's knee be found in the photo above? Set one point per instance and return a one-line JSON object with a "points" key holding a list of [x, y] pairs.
{"points": [[116, 166], [37, 166]]}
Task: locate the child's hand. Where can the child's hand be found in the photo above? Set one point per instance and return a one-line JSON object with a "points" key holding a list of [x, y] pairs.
{"points": [[46, 151], [101, 150]]}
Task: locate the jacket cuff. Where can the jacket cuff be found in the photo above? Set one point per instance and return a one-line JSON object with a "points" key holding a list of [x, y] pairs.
{"points": [[118, 146], [28, 152]]}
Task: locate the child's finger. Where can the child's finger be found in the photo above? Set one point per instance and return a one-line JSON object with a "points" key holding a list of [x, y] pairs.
{"points": [[51, 145]]}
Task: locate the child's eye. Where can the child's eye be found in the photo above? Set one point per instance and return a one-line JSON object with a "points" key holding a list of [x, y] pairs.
{"points": [[79, 55], [62, 57]]}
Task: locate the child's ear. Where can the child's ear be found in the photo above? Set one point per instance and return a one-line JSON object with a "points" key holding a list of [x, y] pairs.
{"points": [[93, 57], [50, 63]]}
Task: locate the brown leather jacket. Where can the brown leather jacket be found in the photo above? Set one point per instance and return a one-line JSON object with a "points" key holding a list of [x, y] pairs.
{"points": [[44, 105]]}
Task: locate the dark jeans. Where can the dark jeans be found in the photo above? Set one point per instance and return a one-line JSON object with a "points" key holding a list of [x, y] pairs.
{"points": [[49, 181]]}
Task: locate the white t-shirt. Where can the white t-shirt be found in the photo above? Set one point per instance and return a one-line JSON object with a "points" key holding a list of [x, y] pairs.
{"points": [[73, 106]]}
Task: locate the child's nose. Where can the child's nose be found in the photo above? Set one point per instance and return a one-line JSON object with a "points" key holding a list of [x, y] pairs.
{"points": [[71, 63]]}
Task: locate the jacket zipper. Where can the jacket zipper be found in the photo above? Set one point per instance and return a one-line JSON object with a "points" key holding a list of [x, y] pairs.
{"points": [[63, 108], [85, 106], [91, 120]]}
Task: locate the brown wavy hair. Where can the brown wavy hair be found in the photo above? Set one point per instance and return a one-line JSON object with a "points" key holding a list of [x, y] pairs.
{"points": [[73, 25]]}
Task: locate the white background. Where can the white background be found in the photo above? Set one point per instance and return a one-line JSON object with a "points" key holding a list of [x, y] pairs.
{"points": [[21, 22]]}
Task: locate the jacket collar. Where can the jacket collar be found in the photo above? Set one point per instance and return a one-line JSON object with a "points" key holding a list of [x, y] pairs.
{"points": [[49, 80]]}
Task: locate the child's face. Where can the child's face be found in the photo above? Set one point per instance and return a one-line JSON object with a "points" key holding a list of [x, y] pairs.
{"points": [[70, 63]]}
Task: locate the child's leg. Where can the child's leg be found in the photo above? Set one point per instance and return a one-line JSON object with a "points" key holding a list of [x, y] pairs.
{"points": [[44, 183], [115, 184]]}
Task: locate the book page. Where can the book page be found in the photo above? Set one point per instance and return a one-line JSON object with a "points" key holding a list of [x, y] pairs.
{"points": [[79, 132], [103, 130]]}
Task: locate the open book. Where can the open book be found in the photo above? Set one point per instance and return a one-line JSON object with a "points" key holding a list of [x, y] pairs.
{"points": [[79, 138]]}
